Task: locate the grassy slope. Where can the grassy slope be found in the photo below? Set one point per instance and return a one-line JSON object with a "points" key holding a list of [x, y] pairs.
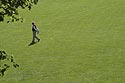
{"points": [[82, 41]]}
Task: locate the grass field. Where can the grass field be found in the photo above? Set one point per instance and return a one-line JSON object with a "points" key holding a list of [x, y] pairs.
{"points": [[82, 41]]}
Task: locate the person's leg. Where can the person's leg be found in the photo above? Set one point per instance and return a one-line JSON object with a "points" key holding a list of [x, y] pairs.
{"points": [[34, 35], [37, 38]]}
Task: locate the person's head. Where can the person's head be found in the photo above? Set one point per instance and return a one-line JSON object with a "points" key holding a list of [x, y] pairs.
{"points": [[33, 23]]}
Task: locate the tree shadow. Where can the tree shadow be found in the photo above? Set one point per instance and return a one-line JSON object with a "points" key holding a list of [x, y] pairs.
{"points": [[32, 43]]}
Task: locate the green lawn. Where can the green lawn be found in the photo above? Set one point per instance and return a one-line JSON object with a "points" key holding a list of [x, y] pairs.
{"points": [[82, 41]]}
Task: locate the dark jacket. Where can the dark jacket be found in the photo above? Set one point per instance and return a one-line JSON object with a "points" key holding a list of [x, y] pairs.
{"points": [[34, 28]]}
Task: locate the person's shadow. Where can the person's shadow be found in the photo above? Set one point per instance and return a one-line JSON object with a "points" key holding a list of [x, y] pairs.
{"points": [[32, 43]]}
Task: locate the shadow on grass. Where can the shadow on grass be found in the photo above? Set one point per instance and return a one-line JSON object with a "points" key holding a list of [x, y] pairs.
{"points": [[32, 43]]}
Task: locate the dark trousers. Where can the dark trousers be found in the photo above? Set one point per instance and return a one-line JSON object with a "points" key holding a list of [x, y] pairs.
{"points": [[34, 36]]}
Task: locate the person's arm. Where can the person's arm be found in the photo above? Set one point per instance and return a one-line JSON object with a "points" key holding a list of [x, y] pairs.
{"points": [[36, 29]]}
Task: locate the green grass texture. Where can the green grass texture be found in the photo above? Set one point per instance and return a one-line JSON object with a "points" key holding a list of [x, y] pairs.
{"points": [[82, 41]]}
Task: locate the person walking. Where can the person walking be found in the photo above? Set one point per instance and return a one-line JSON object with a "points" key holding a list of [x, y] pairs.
{"points": [[35, 30]]}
